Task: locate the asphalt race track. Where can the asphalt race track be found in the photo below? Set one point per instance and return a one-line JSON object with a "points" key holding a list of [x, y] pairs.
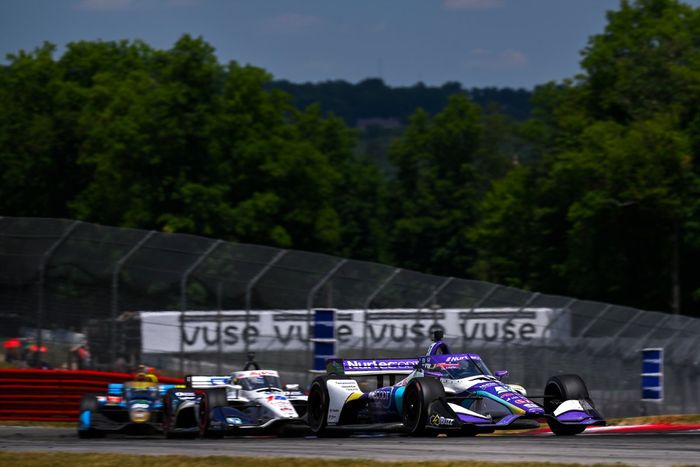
{"points": [[635, 449]]}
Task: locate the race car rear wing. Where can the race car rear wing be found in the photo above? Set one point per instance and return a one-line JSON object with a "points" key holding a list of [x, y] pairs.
{"points": [[203, 382], [352, 367]]}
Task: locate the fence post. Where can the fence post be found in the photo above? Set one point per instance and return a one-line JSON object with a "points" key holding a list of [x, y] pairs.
{"points": [[42, 274], [643, 341], [595, 320], [619, 332], [579, 337], [434, 307], [219, 340], [481, 301], [311, 296], [115, 294], [249, 291], [435, 292], [532, 298], [183, 296], [564, 309], [678, 331], [370, 299]]}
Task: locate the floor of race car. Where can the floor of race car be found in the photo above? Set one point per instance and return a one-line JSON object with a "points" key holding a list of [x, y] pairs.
{"points": [[636, 448]]}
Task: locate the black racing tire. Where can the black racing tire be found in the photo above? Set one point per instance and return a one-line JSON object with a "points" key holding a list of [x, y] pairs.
{"points": [[564, 387], [317, 408], [417, 396], [89, 403], [317, 405], [168, 415], [559, 389], [567, 430], [169, 420], [211, 398]]}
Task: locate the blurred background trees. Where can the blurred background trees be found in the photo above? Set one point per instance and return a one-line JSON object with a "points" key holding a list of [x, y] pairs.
{"points": [[587, 187]]}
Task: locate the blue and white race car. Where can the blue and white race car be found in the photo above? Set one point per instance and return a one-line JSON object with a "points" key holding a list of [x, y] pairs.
{"points": [[249, 402], [134, 407], [441, 393]]}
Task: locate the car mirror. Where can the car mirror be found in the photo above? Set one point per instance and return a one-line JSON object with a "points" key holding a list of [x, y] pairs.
{"points": [[502, 374], [291, 387], [234, 390]]}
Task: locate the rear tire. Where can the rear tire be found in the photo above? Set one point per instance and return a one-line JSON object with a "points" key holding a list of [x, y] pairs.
{"points": [[418, 395], [317, 408], [211, 399], [562, 388]]}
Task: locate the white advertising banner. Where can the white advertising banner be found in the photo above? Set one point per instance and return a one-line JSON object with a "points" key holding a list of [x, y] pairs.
{"points": [[232, 331]]}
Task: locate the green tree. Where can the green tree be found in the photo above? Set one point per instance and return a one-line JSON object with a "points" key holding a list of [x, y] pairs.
{"points": [[281, 183], [38, 140], [646, 62], [607, 207], [124, 134], [442, 171], [147, 132]]}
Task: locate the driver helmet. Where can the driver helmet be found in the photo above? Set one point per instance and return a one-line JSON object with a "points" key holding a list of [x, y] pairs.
{"points": [[146, 374]]}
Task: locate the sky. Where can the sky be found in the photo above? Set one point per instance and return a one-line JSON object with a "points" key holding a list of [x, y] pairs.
{"points": [[479, 43]]}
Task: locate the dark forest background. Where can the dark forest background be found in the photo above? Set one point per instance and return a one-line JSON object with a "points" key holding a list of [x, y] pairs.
{"points": [[586, 187]]}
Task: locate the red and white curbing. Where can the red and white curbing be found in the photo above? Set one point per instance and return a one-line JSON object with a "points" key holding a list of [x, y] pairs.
{"points": [[652, 428]]}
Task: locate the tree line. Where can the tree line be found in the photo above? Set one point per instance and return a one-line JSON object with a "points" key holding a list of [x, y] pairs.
{"points": [[372, 98], [595, 195]]}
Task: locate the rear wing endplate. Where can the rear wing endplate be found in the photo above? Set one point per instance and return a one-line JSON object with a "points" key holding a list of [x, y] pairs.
{"points": [[203, 382]]}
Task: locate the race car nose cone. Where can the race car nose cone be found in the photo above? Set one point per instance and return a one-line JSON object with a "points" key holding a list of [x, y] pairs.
{"points": [[139, 415]]}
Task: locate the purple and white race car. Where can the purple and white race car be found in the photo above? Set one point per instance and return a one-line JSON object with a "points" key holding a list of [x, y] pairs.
{"points": [[441, 393]]}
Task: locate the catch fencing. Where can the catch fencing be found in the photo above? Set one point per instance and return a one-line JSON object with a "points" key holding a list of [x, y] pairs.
{"points": [[61, 280]]}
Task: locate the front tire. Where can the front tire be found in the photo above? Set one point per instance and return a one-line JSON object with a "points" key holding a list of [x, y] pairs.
{"points": [[170, 418], [168, 415], [417, 397], [211, 399], [567, 430], [562, 388]]}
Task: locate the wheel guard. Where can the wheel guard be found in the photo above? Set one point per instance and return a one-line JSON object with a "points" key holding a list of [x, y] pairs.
{"points": [[223, 418], [442, 417], [576, 412]]}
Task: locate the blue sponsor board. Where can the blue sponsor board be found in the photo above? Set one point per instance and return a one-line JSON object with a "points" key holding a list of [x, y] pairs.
{"points": [[324, 338], [652, 375]]}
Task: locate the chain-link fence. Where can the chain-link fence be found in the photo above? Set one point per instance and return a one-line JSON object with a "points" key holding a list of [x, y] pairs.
{"points": [[61, 280]]}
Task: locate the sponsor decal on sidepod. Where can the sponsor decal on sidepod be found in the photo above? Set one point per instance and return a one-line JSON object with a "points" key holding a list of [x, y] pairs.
{"points": [[370, 365], [439, 420]]}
